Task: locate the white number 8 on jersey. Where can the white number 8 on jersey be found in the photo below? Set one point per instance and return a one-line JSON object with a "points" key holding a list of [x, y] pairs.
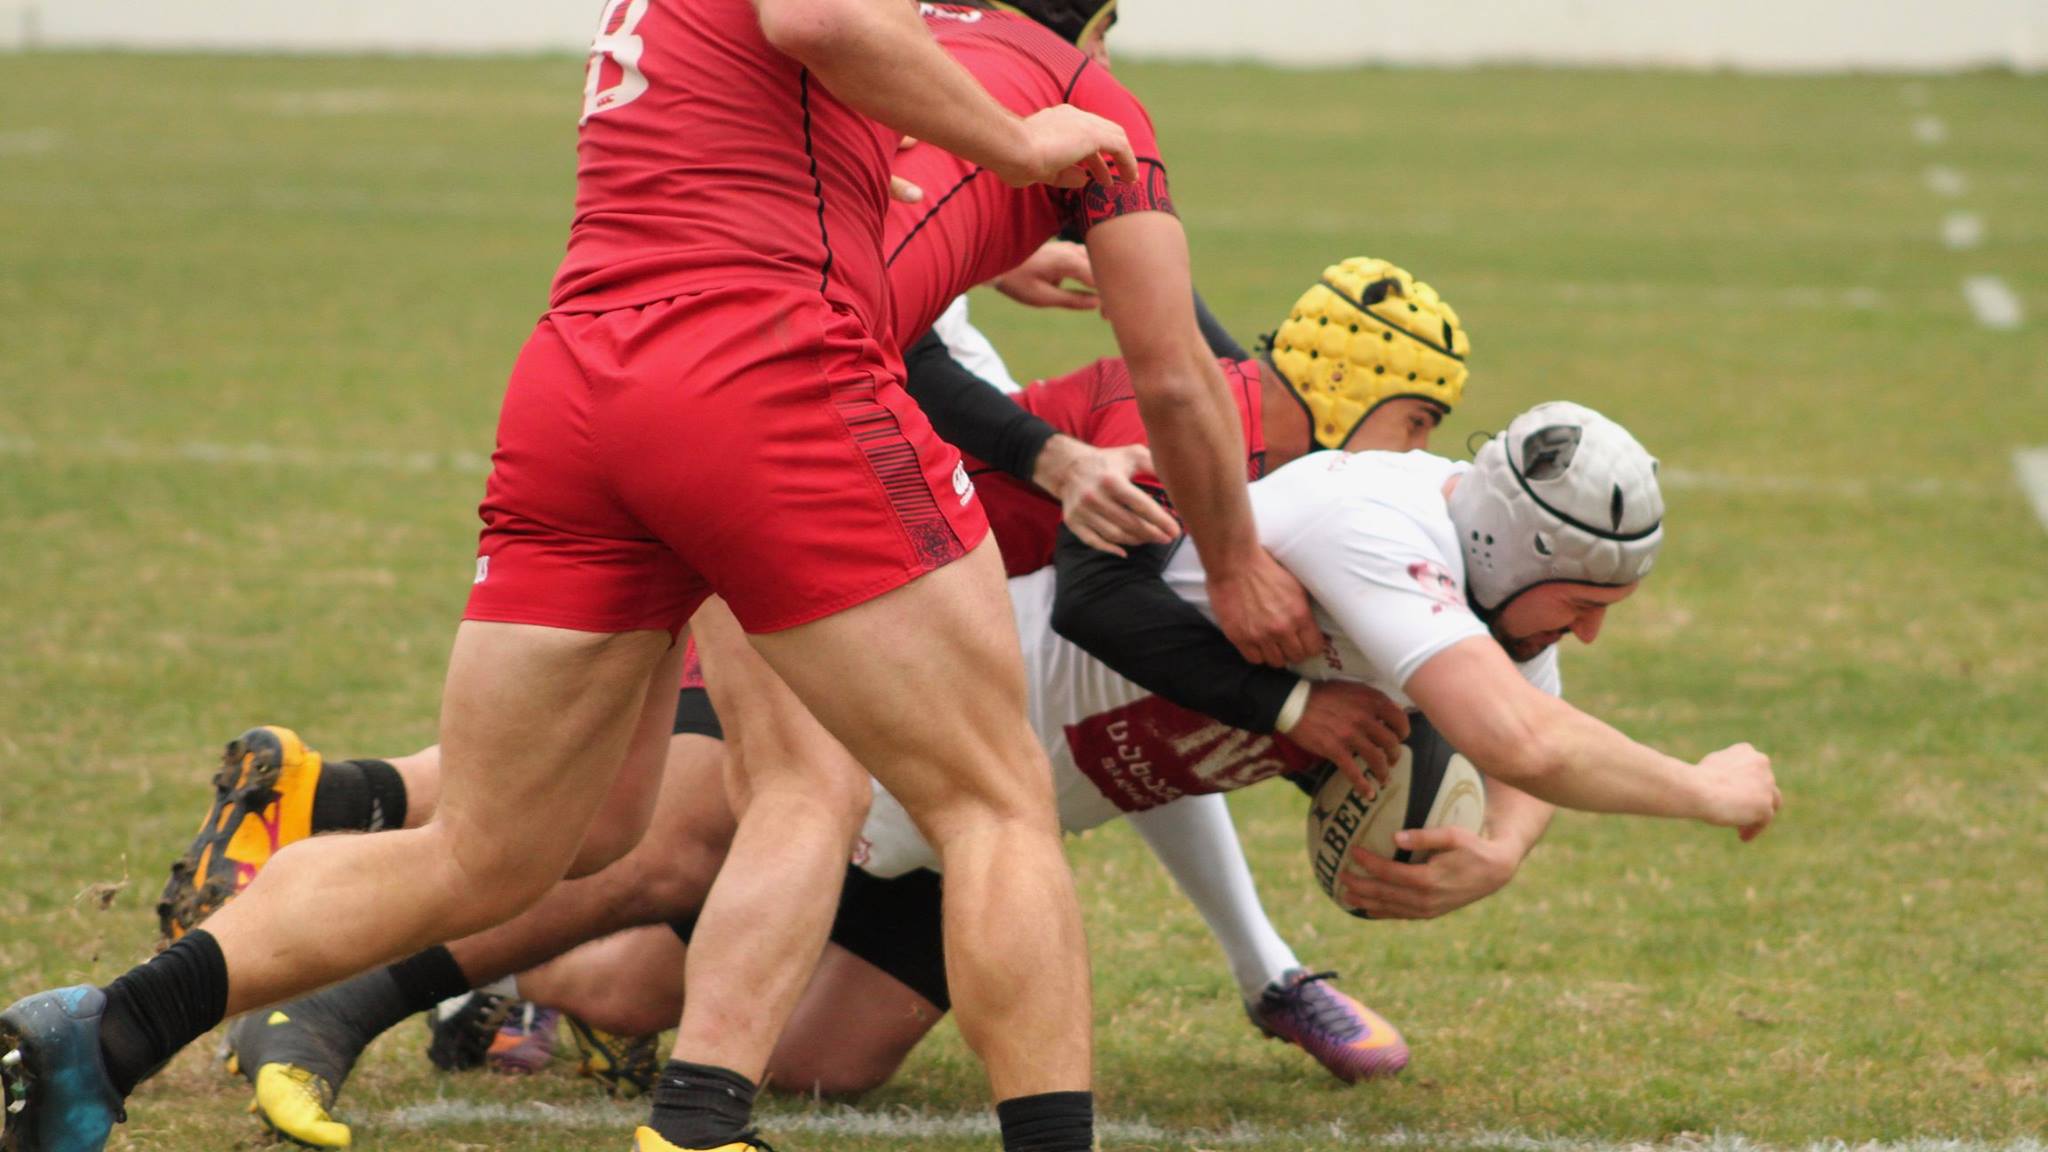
{"points": [[614, 79]]}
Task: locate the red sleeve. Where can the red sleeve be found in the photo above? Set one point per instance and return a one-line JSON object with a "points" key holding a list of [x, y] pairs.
{"points": [[1095, 90], [1065, 401]]}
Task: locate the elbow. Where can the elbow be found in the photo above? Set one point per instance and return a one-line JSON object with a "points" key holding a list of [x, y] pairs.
{"points": [[1530, 758], [1169, 383], [1069, 620], [810, 30]]}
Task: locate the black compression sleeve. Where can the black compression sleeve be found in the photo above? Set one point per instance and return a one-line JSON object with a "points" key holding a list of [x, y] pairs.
{"points": [[1221, 342], [1121, 611], [971, 414]]}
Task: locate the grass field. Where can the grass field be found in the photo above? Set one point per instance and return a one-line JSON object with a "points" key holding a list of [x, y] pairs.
{"points": [[255, 315]]}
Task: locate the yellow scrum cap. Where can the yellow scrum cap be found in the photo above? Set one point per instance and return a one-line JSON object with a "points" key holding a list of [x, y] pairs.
{"points": [[1366, 334]]}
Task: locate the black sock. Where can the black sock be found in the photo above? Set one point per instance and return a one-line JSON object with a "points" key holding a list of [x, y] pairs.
{"points": [[159, 1007], [362, 1008], [1048, 1122], [699, 1106], [424, 979], [358, 796]]}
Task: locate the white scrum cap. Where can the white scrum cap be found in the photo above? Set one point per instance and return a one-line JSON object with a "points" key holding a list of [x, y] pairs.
{"points": [[1563, 494]]}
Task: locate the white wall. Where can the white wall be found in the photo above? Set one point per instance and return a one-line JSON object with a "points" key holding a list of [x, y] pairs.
{"points": [[1751, 34]]}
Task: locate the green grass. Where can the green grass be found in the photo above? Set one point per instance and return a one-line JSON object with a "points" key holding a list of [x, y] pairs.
{"points": [[338, 258]]}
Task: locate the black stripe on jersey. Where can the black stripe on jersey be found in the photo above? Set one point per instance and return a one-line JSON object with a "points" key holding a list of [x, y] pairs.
{"points": [[803, 80], [927, 217], [1067, 93]]}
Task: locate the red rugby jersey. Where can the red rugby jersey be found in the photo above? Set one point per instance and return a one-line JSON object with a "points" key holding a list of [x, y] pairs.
{"points": [[707, 158], [1095, 405], [971, 227]]}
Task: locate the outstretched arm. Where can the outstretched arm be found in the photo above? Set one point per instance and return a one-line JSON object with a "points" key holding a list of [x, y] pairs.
{"points": [[879, 58], [1513, 731]]}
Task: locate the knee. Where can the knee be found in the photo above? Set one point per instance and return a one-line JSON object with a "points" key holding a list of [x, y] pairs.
{"points": [[1011, 793], [610, 839], [829, 787], [491, 877]]}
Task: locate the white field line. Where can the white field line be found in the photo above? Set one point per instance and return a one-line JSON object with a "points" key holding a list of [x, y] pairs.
{"points": [[1861, 298], [29, 141], [202, 453], [911, 1126], [1929, 130], [1961, 231], [1943, 180], [2031, 466], [1993, 302]]}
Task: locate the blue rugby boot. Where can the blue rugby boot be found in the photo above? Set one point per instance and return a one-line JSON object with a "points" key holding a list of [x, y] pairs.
{"points": [[59, 1098]]}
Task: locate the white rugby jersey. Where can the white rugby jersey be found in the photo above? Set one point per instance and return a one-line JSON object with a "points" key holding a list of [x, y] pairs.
{"points": [[970, 349], [1370, 537]]}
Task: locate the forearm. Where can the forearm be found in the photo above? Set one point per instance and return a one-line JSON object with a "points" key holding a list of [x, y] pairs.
{"points": [[1515, 733], [975, 416], [1589, 766], [878, 58], [1198, 449], [1118, 610], [1515, 818]]}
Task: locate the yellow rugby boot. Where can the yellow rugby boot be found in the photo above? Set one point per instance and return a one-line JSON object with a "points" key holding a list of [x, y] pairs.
{"points": [[293, 1102], [297, 1062], [262, 801], [646, 1139]]}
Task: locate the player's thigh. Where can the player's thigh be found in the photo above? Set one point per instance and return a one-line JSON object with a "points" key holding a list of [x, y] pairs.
{"points": [[772, 741], [535, 724], [925, 686], [623, 817]]}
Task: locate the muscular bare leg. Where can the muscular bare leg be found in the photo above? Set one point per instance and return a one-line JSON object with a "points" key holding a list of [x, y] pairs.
{"points": [[665, 876], [533, 720], [924, 685], [850, 1032], [801, 799]]}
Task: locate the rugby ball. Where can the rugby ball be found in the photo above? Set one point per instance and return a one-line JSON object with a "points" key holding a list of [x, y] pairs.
{"points": [[1430, 786]]}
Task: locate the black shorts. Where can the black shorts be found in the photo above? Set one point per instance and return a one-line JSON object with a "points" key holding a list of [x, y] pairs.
{"points": [[694, 715], [892, 924]]}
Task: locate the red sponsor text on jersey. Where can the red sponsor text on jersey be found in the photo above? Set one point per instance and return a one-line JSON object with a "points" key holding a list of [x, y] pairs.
{"points": [[1151, 752]]}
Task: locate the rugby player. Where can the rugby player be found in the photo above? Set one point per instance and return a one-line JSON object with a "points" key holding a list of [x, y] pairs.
{"points": [[1557, 521], [751, 301], [298, 1063]]}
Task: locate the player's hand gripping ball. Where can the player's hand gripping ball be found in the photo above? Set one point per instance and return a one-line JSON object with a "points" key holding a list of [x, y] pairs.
{"points": [[1431, 786]]}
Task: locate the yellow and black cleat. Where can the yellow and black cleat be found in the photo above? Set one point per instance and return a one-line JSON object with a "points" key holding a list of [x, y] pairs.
{"points": [[646, 1139], [293, 1103], [627, 1066], [262, 801]]}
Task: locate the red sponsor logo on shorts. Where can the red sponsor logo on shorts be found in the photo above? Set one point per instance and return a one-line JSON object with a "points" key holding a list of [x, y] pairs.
{"points": [[1151, 752]]}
